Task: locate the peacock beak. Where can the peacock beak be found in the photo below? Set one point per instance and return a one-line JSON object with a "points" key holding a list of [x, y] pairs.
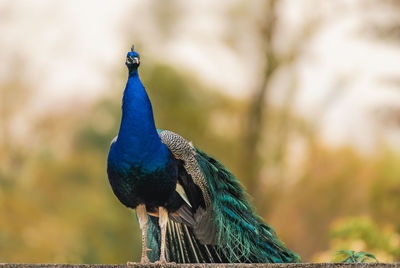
{"points": [[130, 60]]}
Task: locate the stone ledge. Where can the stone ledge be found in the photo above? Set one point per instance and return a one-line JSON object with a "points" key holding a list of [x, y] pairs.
{"points": [[232, 265]]}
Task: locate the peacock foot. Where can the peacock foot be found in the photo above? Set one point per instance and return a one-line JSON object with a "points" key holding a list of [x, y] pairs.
{"points": [[145, 260], [164, 261]]}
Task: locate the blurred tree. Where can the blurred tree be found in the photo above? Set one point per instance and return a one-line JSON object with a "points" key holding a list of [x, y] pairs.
{"points": [[384, 195], [269, 126], [14, 96], [257, 105]]}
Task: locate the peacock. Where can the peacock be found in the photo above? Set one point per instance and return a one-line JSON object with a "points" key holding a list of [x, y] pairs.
{"points": [[190, 208]]}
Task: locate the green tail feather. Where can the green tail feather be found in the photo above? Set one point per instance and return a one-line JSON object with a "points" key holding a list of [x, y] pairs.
{"points": [[243, 237], [181, 245], [153, 239]]}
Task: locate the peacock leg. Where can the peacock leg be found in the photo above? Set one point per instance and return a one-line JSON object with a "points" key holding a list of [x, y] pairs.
{"points": [[143, 222], [162, 221]]}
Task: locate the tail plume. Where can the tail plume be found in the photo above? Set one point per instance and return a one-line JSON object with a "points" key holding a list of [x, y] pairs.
{"points": [[243, 237]]}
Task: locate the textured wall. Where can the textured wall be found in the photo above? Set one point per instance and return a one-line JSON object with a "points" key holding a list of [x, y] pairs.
{"points": [[302, 265]]}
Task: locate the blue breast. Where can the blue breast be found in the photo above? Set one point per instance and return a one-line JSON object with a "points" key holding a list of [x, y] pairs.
{"points": [[140, 167], [134, 184]]}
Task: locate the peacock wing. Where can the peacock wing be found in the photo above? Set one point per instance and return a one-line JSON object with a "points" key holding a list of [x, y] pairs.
{"points": [[193, 187]]}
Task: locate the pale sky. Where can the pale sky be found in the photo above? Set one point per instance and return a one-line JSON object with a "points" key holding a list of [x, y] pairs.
{"points": [[67, 49]]}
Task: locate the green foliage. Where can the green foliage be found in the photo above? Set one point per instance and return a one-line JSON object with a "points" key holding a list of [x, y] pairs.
{"points": [[362, 234], [359, 257]]}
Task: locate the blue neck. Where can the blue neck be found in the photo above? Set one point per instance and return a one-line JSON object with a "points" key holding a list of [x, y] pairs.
{"points": [[138, 141]]}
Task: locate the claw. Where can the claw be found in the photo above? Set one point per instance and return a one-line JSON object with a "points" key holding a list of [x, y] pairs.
{"points": [[161, 261], [164, 261], [145, 260]]}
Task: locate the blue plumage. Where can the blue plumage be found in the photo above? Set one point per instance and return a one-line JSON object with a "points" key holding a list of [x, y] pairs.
{"points": [[199, 209], [140, 167]]}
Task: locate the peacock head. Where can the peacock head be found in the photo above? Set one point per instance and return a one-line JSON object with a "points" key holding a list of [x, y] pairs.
{"points": [[132, 60]]}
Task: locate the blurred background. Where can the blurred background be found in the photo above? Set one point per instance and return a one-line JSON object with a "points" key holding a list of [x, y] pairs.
{"points": [[300, 99]]}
